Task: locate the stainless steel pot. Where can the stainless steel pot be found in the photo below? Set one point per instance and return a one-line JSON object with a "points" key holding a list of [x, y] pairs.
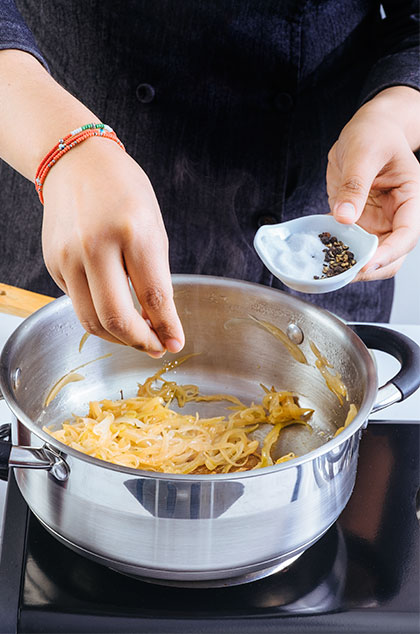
{"points": [[202, 529]]}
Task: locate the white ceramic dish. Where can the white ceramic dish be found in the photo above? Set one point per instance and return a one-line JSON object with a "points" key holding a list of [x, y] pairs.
{"points": [[360, 242]]}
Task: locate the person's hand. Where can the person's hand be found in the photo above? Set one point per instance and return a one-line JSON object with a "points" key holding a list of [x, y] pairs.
{"points": [[101, 224], [373, 178]]}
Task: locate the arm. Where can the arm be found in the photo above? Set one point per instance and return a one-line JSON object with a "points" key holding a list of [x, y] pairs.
{"points": [[101, 217], [34, 110], [373, 177]]}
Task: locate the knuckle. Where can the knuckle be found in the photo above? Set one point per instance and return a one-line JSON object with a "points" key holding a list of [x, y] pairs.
{"points": [[116, 324], [164, 330], [89, 246], [126, 232], [91, 326], [64, 255], [353, 185], [152, 298]]}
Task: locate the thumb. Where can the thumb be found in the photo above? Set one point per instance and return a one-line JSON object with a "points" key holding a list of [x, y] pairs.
{"points": [[357, 175]]}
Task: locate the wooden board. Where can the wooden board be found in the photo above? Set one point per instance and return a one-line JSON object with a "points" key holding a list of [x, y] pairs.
{"points": [[20, 302]]}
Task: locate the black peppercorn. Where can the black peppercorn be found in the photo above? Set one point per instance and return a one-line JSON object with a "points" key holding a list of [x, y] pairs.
{"points": [[338, 258]]}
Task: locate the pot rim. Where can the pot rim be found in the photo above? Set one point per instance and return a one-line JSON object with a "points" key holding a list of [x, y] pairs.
{"points": [[331, 445]]}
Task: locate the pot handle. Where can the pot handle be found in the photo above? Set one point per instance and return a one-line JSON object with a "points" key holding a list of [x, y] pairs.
{"points": [[5, 448], [30, 458], [405, 350]]}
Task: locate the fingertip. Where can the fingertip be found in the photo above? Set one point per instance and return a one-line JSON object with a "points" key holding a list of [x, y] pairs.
{"points": [[173, 345], [155, 354], [345, 213]]}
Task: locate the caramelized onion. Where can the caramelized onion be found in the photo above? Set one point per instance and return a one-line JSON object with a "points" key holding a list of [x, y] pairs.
{"points": [[333, 381], [145, 433]]}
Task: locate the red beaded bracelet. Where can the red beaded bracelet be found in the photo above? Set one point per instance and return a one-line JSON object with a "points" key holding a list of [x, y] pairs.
{"points": [[66, 144]]}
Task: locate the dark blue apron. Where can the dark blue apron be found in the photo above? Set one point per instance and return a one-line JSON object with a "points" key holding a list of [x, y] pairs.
{"points": [[230, 106]]}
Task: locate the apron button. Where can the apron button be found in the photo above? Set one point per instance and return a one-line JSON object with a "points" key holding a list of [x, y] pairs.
{"points": [[145, 93], [266, 219], [283, 102]]}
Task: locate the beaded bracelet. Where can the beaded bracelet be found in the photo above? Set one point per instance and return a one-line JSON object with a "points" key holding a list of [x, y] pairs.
{"points": [[65, 144], [44, 168]]}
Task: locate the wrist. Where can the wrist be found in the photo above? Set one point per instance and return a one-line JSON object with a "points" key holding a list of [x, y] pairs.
{"points": [[84, 162], [66, 144], [400, 105]]}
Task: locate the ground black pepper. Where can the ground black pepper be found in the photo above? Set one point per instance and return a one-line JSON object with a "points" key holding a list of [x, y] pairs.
{"points": [[338, 258]]}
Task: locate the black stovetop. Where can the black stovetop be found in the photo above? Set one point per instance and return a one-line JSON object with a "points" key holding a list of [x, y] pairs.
{"points": [[361, 576]]}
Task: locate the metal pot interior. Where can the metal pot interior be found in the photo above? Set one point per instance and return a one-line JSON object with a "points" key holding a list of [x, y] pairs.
{"points": [[234, 356]]}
